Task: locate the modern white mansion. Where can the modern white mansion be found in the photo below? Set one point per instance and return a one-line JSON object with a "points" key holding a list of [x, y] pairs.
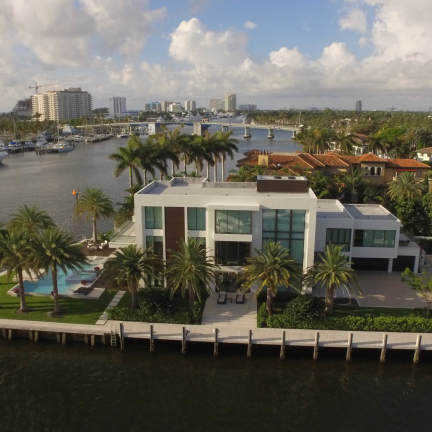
{"points": [[233, 219]]}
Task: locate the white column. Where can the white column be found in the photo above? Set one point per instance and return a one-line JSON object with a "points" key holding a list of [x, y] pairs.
{"points": [[390, 265]]}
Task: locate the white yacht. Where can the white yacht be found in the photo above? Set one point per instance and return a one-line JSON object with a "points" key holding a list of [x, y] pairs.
{"points": [[3, 155], [62, 147]]}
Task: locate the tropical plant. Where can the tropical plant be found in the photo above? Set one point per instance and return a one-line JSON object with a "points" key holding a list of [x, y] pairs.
{"points": [[422, 284], [228, 146], [53, 250], [190, 271], [95, 204], [128, 266], [345, 142], [271, 269], [351, 181], [405, 187], [15, 252], [332, 271], [128, 158], [31, 220]]}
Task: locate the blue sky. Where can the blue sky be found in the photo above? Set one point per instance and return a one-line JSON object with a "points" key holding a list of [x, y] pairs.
{"points": [[276, 53]]}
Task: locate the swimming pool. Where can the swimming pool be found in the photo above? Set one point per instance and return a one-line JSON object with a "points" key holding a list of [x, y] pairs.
{"points": [[67, 282]]}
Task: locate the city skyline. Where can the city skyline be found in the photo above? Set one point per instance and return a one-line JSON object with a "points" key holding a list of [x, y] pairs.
{"points": [[323, 54]]}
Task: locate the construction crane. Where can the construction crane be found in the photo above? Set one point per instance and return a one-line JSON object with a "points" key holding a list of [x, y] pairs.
{"points": [[37, 86]]}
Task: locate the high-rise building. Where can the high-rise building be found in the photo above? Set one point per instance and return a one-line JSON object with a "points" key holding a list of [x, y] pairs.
{"points": [[216, 104], [190, 105], [23, 108], [61, 105], [358, 106], [164, 106], [230, 102], [117, 105], [175, 107], [153, 106]]}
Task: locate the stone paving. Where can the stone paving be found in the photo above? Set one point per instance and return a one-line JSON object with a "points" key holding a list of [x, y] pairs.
{"points": [[231, 313], [113, 303]]}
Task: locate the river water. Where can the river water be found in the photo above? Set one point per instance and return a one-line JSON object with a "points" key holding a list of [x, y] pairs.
{"points": [[47, 387], [48, 180]]}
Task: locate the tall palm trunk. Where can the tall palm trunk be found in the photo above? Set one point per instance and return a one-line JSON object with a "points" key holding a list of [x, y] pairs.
{"points": [[94, 235], [329, 300], [145, 177], [23, 306], [55, 290], [223, 167], [215, 171], [208, 170], [134, 294], [191, 296], [130, 179], [269, 302], [173, 169], [185, 165]]}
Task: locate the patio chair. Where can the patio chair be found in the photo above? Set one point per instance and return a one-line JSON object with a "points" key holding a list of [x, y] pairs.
{"points": [[240, 298], [222, 297]]}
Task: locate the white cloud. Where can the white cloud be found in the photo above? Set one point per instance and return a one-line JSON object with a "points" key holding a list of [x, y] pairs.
{"points": [[354, 20], [250, 25]]}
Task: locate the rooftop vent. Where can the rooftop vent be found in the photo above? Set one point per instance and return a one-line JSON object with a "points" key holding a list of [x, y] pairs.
{"points": [[288, 184]]}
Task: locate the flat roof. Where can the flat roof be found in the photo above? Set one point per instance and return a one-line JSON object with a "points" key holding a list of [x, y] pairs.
{"points": [[198, 186], [331, 209], [369, 211]]}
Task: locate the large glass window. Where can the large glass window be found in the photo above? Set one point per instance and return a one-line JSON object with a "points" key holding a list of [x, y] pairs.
{"points": [[153, 217], [232, 253], [196, 218], [340, 237], [233, 222], [201, 241], [286, 227], [155, 243], [374, 238]]}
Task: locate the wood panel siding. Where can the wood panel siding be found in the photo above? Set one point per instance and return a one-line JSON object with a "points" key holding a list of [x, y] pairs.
{"points": [[174, 228]]}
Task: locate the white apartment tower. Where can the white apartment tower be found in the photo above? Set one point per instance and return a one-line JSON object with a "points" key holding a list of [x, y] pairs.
{"points": [[62, 105], [117, 105], [230, 102], [190, 105]]}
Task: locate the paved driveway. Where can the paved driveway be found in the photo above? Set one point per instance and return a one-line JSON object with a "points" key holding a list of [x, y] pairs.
{"points": [[381, 289]]}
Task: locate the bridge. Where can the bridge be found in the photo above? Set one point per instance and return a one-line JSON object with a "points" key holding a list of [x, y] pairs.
{"points": [[199, 127]]}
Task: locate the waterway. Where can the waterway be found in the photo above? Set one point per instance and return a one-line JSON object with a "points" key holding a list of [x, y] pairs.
{"points": [[48, 180], [47, 387]]}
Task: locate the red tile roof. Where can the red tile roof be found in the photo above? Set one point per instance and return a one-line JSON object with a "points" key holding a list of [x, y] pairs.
{"points": [[407, 163]]}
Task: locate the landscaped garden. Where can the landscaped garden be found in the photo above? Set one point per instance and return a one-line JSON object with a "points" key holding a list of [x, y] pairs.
{"points": [[78, 311]]}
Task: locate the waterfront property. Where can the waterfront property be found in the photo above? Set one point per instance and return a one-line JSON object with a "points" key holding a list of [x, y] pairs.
{"points": [[376, 170], [233, 219]]}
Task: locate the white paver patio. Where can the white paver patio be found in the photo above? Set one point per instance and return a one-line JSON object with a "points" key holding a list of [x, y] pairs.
{"points": [[381, 289], [231, 313]]}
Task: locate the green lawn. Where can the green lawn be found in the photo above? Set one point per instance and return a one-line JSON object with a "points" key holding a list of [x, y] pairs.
{"points": [[74, 310]]}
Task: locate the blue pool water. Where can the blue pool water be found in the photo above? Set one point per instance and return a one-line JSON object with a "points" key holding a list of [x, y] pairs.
{"points": [[67, 282]]}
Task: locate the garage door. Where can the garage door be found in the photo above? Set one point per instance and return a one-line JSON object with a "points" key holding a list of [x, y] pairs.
{"points": [[403, 262], [370, 264]]}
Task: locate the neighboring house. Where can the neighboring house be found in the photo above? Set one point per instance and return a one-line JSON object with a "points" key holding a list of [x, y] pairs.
{"points": [[232, 220], [425, 154], [376, 170]]}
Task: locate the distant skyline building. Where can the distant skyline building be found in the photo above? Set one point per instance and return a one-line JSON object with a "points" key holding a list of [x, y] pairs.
{"points": [[230, 102], [247, 107], [175, 107], [62, 105], [153, 106], [190, 105], [23, 108], [165, 105], [216, 104], [359, 106], [117, 105]]}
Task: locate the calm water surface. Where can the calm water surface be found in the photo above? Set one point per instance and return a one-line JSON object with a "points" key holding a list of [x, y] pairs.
{"points": [[48, 180], [46, 387]]}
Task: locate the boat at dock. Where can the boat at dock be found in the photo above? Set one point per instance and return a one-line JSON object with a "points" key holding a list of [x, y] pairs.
{"points": [[3, 155]]}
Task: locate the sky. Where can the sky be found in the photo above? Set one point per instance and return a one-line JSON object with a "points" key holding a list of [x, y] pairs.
{"points": [[274, 53]]}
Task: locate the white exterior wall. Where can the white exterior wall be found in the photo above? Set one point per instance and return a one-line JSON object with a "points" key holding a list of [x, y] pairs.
{"points": [[255, 203]]}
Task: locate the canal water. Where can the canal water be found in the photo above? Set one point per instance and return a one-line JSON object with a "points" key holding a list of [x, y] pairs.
{"points": [[48, 180], [47, 387]]}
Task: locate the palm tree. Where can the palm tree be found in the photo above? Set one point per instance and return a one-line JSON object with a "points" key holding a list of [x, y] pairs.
{"points": [[53, 249], [129, 265], [345, 142], [332, 272], [190, 271], [31, 220], [351, 180], [164, 151], [96, 205], [15, 252], [404, 186], [128, 158], [228, 147], [272, 268]]}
